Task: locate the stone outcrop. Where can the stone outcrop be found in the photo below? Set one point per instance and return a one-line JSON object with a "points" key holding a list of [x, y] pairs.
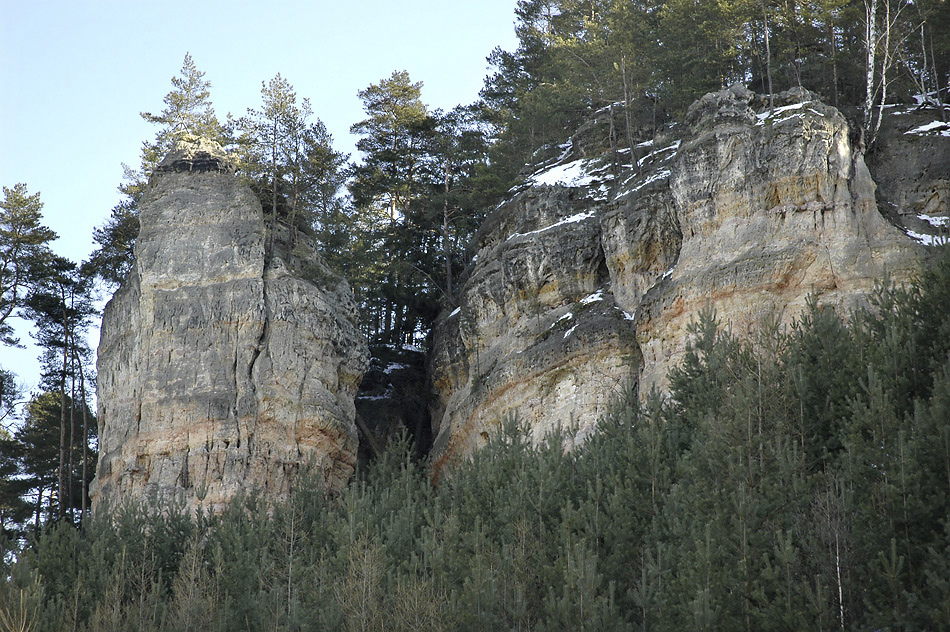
{"points": [[535, 334], [910, 164], [230, 357], [772, 207], [586, 278]]}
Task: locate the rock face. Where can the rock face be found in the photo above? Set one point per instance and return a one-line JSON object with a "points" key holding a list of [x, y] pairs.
{"points": [[586, 278], [772, 207], [230, 357], [911, 166]]}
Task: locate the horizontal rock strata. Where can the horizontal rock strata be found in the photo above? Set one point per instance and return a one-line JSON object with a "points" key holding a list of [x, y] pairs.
{"points": [[587, 277]]}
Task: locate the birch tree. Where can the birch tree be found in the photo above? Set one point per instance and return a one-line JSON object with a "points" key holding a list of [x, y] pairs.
{"points": [[882, 40]]}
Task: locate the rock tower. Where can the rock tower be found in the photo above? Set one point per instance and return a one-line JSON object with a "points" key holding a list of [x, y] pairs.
{"points": [[230, 357]]}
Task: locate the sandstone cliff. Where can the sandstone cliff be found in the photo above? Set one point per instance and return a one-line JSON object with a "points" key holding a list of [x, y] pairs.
{"points": [[227, 360], [586, 278]]}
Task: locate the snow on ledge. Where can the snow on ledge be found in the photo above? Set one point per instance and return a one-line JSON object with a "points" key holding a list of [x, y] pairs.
{"points": [[928, 240], [936, 222], [673, 147], [938, 128], [571, 174], [567, 316], [593, 298], [775, 112], [568, 220], [659, 175]]}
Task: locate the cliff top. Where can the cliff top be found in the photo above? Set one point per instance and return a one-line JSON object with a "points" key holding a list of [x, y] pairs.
{"points": [[195, 154]]}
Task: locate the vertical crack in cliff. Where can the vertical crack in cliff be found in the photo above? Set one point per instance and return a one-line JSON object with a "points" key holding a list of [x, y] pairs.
{"points": [[603, 270], [299, 408], [256, 353], [184, 479]]}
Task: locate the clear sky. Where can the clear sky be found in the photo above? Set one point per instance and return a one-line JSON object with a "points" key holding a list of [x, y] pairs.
{"points": [[75, 74]]}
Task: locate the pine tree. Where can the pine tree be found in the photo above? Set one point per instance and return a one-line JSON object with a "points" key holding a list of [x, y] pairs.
{"points": [[14, 508], [23, 251], [62, 309], [392, 144], [188, 112], [323, 175], [40, 437], [391, 190], [11, 394], [289, 161], [112, 260], [459, 155], [268, 144]]}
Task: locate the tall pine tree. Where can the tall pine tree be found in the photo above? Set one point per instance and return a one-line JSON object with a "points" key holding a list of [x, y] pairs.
{"points": [[187, 112], [391, 189]]}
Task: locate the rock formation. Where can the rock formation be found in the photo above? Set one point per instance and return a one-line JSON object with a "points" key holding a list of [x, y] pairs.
{"points": [[911, 166], [230, 357], [586, 278]]}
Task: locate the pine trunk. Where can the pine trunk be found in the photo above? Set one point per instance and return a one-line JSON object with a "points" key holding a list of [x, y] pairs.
{"points": [[446, 242], [85, 444], [61, 473], [72, 435], [627, 112]]}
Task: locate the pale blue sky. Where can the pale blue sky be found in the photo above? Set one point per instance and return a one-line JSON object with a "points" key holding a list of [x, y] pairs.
{"points": [[75, 75]]}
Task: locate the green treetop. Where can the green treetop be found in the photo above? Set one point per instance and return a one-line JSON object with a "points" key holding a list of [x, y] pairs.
{"points": [[187, 111], [392, 144], [23, 248]]}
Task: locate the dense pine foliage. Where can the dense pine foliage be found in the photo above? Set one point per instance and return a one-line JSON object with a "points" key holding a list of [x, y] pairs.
{"points": [[647, 60], [796, 480]]}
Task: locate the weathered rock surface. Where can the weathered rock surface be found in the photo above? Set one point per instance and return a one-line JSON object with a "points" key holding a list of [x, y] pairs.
{"points": [[772, 207], [535, 334], [910, 163], [225, 363], [586, 278]]}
